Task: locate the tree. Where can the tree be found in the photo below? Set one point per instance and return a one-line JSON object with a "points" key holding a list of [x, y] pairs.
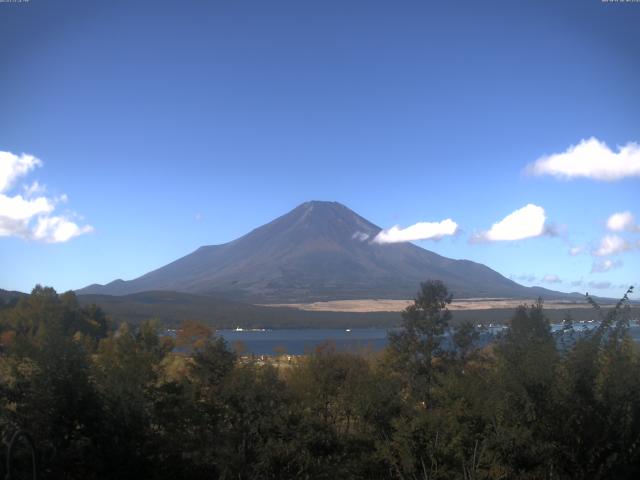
{"points": [[600, 383], [525, 395], [45, 373], [413, 348], [212, 363], [126, 371], [464, 337], [193, 336], [44, 311]]}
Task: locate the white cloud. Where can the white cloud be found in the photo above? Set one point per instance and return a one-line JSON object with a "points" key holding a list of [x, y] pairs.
{"points": [[58, 229], [526, 222], [30, 217], [551, 279], [591, 159], [573, 251], [418, 231], [14, 166], [20, 208], [612, 244], [605, 265], [577, 283], [34, 189], [525, 277], [360, 236], [622, 221], [600, 285]]}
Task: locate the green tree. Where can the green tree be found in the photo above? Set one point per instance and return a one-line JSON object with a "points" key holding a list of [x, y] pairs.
{"points": [[465, 336], [413, 348], [600, 431], [525, 395], [127, 372], [47, 387]]}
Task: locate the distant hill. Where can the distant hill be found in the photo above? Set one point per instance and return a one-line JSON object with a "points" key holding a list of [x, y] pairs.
{"points": [[173, 307], [8, 295], [312, 254]]}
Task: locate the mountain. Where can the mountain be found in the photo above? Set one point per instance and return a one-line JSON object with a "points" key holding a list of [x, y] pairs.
{"points": [[8, 296], [314, 253]]}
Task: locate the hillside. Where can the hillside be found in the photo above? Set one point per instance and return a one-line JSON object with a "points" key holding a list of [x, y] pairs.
{"points": [[10, 295], [312, 254], [171, 308]]}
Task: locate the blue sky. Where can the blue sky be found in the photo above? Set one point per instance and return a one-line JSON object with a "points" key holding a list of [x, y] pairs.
{"points": [[164, 126]]}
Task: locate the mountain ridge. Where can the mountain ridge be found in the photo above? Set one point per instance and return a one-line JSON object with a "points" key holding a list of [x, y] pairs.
{"points": [[315, 252]]}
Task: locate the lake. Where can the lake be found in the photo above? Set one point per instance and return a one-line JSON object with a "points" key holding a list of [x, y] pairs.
{"points": [[301, 341]]}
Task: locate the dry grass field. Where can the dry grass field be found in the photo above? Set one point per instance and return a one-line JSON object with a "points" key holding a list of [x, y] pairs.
{"points": [[385, 305]]}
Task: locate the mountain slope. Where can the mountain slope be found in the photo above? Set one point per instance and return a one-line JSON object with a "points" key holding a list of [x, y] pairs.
{"points": [[312, 253], [171, 308], [8, 296]]}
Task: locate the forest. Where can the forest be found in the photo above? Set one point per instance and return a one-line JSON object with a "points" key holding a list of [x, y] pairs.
{"points": [[103, 400]]}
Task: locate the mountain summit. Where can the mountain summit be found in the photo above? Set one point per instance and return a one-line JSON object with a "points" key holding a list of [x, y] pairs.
{"points": [[318, 251]]}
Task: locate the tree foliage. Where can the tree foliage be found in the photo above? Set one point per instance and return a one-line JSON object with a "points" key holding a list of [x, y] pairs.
{"points": [[106, 401]]}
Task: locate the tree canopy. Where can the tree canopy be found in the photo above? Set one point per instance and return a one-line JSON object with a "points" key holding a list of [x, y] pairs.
{"points": [[102, 400]]}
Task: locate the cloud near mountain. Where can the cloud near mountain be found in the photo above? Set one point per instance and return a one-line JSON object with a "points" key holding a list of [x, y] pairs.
{"points": [[417, 231], [551, 278], [526, 222]]}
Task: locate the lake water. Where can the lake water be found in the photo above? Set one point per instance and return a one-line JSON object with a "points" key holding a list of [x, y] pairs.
{"points": [[301, 341]]}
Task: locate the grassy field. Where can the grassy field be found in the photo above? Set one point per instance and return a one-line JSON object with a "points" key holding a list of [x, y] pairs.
{"points": [[172, 308], [385, 305]]}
